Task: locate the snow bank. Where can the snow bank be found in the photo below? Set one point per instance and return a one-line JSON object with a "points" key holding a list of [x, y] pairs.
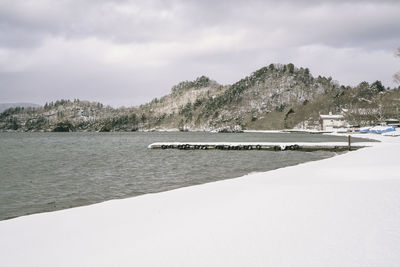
{"points": [[393, 133], [342, 211]]}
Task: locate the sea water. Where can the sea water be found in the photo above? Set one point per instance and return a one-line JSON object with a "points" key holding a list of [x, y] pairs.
{"points": [[41, 172]]}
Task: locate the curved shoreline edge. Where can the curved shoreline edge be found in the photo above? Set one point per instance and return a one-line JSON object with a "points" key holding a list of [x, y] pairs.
{"points": [[340, 211]]}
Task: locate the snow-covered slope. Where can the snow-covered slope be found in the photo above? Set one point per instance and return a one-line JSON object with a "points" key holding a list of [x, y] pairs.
{"points": [[342, 211]]}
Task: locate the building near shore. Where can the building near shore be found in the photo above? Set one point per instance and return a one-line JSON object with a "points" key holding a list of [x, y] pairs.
{"points": [[392, 122], [333, 122]]}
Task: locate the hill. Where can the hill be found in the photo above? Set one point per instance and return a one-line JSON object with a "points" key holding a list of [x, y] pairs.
{"points": [[274, 97], [65, 116]]}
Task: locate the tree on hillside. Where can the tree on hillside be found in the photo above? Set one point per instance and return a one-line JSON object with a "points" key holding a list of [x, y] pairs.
{"points": [[290, 67], [377, 87], [397, 75]]}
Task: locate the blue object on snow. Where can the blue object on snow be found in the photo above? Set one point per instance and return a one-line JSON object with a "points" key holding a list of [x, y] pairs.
{"points": [[382, 129], [365, 129]]}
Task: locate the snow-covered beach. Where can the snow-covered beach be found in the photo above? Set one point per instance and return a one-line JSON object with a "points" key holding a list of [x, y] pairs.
{"points": [[341, 211]]}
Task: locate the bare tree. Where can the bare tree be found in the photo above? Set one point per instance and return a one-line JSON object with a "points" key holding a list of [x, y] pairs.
{"points": [[397, 75]]}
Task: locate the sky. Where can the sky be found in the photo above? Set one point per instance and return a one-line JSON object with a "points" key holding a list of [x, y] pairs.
{"points": [[127, 52]]}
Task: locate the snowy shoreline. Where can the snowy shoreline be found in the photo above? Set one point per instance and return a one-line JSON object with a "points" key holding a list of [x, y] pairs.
{"points": [[341, 211]]}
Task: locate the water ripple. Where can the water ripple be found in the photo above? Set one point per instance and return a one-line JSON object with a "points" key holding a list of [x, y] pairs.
{"points": [[50, 171]]}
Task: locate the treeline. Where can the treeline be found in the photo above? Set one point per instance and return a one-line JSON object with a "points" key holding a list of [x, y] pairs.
{"points": [[62, 102], [200, 82]]}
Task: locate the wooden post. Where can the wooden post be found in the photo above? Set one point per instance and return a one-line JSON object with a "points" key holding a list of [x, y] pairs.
{"points": [[349, 142]]}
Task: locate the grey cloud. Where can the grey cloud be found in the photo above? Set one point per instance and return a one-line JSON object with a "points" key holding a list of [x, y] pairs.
{"points": [[184, 19], [251, 33], [78, 19]]}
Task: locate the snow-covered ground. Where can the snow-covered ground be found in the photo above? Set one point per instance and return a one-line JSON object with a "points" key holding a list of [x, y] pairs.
{"points": [[341, 211]]}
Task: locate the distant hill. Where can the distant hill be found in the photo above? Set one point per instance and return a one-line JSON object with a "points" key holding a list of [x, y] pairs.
{"points": [[276, 96], [4, 106]]}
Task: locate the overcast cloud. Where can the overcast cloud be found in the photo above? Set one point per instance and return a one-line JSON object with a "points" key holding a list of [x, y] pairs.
{"points": [[123, 52]]}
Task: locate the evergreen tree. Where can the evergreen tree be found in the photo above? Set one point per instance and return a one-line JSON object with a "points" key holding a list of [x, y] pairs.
{"points": [[377, 87], [290, 68]]}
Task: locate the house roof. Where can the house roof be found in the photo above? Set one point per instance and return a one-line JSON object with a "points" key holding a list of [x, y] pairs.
{"points": [[332, 117], [392, 120]]}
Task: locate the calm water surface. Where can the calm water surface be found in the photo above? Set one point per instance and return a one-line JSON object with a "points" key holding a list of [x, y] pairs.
{"points": [[42, 172]]}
